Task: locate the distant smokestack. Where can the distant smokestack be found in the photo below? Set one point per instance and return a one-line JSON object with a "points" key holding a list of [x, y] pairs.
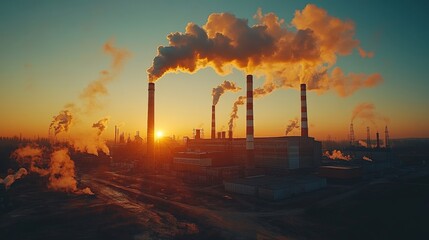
{"points": [[198, 134], [223, 134], [213, 135], [378, 140], [151, 125], [386, 137], [229, 134], [304, 119], [250, 163], [219, 135], [368, 138], [116, 132], [352, 135]]}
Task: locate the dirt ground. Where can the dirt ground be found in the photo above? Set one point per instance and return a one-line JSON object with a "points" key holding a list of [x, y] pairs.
{"points": [[160, 207]]}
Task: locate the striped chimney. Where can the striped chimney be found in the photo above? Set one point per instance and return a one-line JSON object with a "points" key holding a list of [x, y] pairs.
{"points": [[213, 135], [249, 124], [151, 125], [304, 120]]}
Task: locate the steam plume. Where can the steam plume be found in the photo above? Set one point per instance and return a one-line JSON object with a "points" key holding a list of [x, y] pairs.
{"points": [[219, 90], [337, 154], [234, 115], [292, 125], [11, 178], [286, 54], [367, 158], [101, 125], [367, 111], [60, 168], [61, 122], [98, 86]]}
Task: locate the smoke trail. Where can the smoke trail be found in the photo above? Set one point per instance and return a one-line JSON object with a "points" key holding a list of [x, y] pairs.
{"points": [[59, 168], [101, 125], [234, 115], [293, 123], [98, 86], [11, 178], [367, 158], [219, 90], [367, 111], [286, 54], [337, 154], [61, 122], [363, 144]]}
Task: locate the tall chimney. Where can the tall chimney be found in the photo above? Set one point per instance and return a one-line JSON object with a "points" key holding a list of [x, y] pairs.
{"points": [[116, 132], [386, 137], [230, 134], [197, 133], [304, 120], [213, 122], [151, 125], [250, 163], [378, 140], [368, 138]]}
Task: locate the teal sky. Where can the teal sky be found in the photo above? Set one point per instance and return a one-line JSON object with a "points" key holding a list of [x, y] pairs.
{"points": [[51, 50]]}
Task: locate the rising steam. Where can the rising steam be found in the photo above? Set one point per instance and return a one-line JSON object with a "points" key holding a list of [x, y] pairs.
{"points": [[61, 122], [101, 125], [11, 178], [366, 111], [98, 86], [219, 90], [234, 113], [293, 124], [286, 54], [337, 154], [367, 159], [59, 167]]}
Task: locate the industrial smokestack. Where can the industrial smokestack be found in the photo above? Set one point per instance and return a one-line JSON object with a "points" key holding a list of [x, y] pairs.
{"points": [[386, 137], [197, 133], [368, 138], [219, 135], [378, 140], [213, 135], [230, 135], [304, 120], [151, 125], [249, 124], [223, 134], [116, 131]]}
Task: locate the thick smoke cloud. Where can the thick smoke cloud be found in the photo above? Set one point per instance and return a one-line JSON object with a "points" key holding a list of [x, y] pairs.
{"points": [[11, 178], [219, 90], [286, 54], [98, 86]]}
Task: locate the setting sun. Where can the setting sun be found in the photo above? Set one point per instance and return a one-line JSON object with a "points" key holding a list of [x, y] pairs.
{"points": [[159, 134]]}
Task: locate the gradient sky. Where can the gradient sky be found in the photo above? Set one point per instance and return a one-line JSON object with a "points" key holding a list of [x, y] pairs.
{"points": [[51, 50]]}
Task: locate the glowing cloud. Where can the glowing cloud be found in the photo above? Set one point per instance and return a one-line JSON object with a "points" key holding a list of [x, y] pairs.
{"points": [[303, 51]]}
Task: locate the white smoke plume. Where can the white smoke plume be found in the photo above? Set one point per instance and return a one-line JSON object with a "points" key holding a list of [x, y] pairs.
{"points": [[367, 159], [60, 168], [219, 90], [11, 178], [234, 113], [286, 54], [98, 86], [366, 111], [337, 154], [293, 124], [363, 143], [61, 122]]}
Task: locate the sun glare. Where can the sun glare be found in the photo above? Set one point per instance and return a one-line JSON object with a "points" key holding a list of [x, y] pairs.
{"points": [[159, 134]]}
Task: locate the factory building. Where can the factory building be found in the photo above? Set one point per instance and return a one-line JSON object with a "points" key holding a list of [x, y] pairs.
{"points": [[271, 153]]}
